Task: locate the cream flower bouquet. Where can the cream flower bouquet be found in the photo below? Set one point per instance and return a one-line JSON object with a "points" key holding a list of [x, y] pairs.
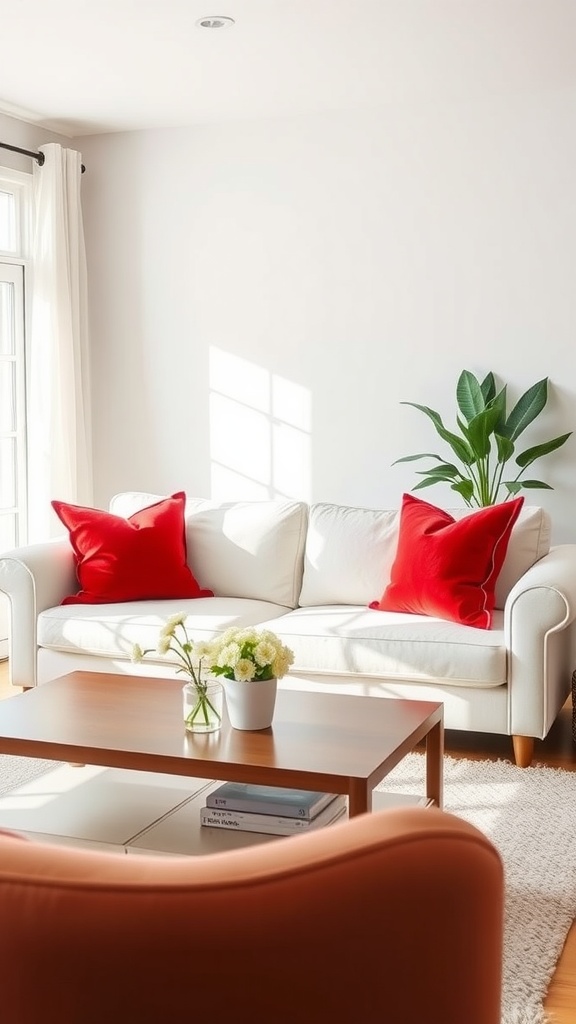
{"points": [[194, 660], [249, 655], [242, 654]]}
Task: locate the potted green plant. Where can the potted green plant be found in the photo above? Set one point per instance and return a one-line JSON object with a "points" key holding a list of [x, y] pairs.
{"points": [[486, 441]]}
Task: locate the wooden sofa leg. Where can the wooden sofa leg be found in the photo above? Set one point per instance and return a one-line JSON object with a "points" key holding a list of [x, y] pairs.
{"points": [[523, 750]]}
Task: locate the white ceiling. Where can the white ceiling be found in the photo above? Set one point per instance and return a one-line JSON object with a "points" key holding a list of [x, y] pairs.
{"points": [[82, 67]]}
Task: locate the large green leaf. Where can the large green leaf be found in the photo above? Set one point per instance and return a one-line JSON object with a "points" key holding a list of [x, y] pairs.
{"points": [[469, 395], [462, 450], [465, 488], [413, 458], [480, 430], [426, 483], [443, 472], [499, 402], [527, 408], [488, 387], [431, 413], [529, 456], [533, 485], [459, 446], [462, 427], [504, 447], [514, 486]]}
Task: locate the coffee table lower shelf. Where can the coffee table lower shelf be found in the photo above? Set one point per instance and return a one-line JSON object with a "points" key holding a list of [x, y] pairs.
{"points": [[132, 812]]}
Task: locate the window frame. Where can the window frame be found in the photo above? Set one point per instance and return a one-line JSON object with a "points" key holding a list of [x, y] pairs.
{"points": [[20, 185], [15, 269]]}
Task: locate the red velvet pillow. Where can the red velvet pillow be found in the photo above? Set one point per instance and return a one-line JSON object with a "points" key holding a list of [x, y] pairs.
{"points": [[448, 567], [135, 559]]}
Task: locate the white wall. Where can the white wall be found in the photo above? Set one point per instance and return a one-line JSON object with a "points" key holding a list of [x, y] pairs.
{"points": [[265, 294], [26, 136]]}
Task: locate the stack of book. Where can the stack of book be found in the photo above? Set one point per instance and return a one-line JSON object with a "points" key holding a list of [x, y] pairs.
{"points": [[270, 809]]}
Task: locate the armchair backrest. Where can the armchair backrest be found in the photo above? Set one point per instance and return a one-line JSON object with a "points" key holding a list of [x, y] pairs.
{"points": [[393, 917]]}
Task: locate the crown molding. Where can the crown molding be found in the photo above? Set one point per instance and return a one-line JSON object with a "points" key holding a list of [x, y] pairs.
{"points": [[33, 118]]}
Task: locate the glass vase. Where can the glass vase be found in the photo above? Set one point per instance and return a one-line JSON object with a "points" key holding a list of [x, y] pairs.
{"points": [[202, 706]]}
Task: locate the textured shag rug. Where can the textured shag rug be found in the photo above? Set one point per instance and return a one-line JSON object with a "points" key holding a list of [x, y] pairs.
{"points": [[530, 816], [17, 771]]}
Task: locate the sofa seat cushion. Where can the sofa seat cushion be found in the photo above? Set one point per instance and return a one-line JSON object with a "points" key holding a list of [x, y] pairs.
{"points": [[360, 641], [110, 631]]}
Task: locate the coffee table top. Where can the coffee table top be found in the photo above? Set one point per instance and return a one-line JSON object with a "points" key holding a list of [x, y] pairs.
{"points": [[123, 721]]}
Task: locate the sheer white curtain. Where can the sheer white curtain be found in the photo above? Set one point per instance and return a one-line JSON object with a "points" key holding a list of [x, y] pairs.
{"points": [[59, 425]]}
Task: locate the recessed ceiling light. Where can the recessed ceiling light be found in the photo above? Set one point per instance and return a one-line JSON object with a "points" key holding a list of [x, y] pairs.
{"points": [[215, 21]]}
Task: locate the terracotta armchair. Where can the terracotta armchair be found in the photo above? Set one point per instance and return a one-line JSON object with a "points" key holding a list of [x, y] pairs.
{"points": [[389, 918]]}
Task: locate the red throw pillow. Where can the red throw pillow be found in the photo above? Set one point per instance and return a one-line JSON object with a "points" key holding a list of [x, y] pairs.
{"points": [[448, 567], [136, 559]]}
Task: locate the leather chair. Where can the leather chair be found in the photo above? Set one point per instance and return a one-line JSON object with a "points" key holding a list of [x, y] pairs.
{"points": [[394, 917]]}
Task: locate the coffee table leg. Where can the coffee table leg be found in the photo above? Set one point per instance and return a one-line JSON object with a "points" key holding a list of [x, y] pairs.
{"points": [[359, 798], [434, 766]]}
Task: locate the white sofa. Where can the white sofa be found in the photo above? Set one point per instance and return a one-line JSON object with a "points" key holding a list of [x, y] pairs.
{"points": [[309, 574]]}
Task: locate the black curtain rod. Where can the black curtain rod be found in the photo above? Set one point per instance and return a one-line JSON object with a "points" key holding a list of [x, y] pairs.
{"points": [[39, 157]]}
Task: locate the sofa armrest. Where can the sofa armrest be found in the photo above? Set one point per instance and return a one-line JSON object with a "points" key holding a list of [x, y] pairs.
{"points": [[33, 578], [540, 635]]}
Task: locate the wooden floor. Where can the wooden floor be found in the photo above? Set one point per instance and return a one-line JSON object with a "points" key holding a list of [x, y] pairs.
{"points": [[559, 751]]}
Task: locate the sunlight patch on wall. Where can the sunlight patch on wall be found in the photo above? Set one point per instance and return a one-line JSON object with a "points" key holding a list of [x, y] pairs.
{"points": [[260, 432]]}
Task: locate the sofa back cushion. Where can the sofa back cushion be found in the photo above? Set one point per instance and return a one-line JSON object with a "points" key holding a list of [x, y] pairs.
{"points": [[529, 541], [349, 554], [350, 551], [249, 549]]}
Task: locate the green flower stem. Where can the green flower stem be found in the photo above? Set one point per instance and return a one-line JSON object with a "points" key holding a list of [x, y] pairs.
{"points": [[203, 705], [476, 482], [496, 481], [184, 655]]}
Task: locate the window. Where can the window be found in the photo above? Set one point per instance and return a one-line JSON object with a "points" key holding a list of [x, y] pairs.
{"points": [[15, 199]]}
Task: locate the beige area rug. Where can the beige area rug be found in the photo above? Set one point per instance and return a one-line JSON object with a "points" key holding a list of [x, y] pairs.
{"points": [[530, 816], [17, 771]]}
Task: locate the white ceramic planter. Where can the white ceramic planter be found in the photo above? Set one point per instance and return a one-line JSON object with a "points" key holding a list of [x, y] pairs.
{"points": [[250, 705]]}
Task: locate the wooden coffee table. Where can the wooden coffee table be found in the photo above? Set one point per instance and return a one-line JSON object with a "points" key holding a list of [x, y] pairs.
{"points": [[340, 744]]}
